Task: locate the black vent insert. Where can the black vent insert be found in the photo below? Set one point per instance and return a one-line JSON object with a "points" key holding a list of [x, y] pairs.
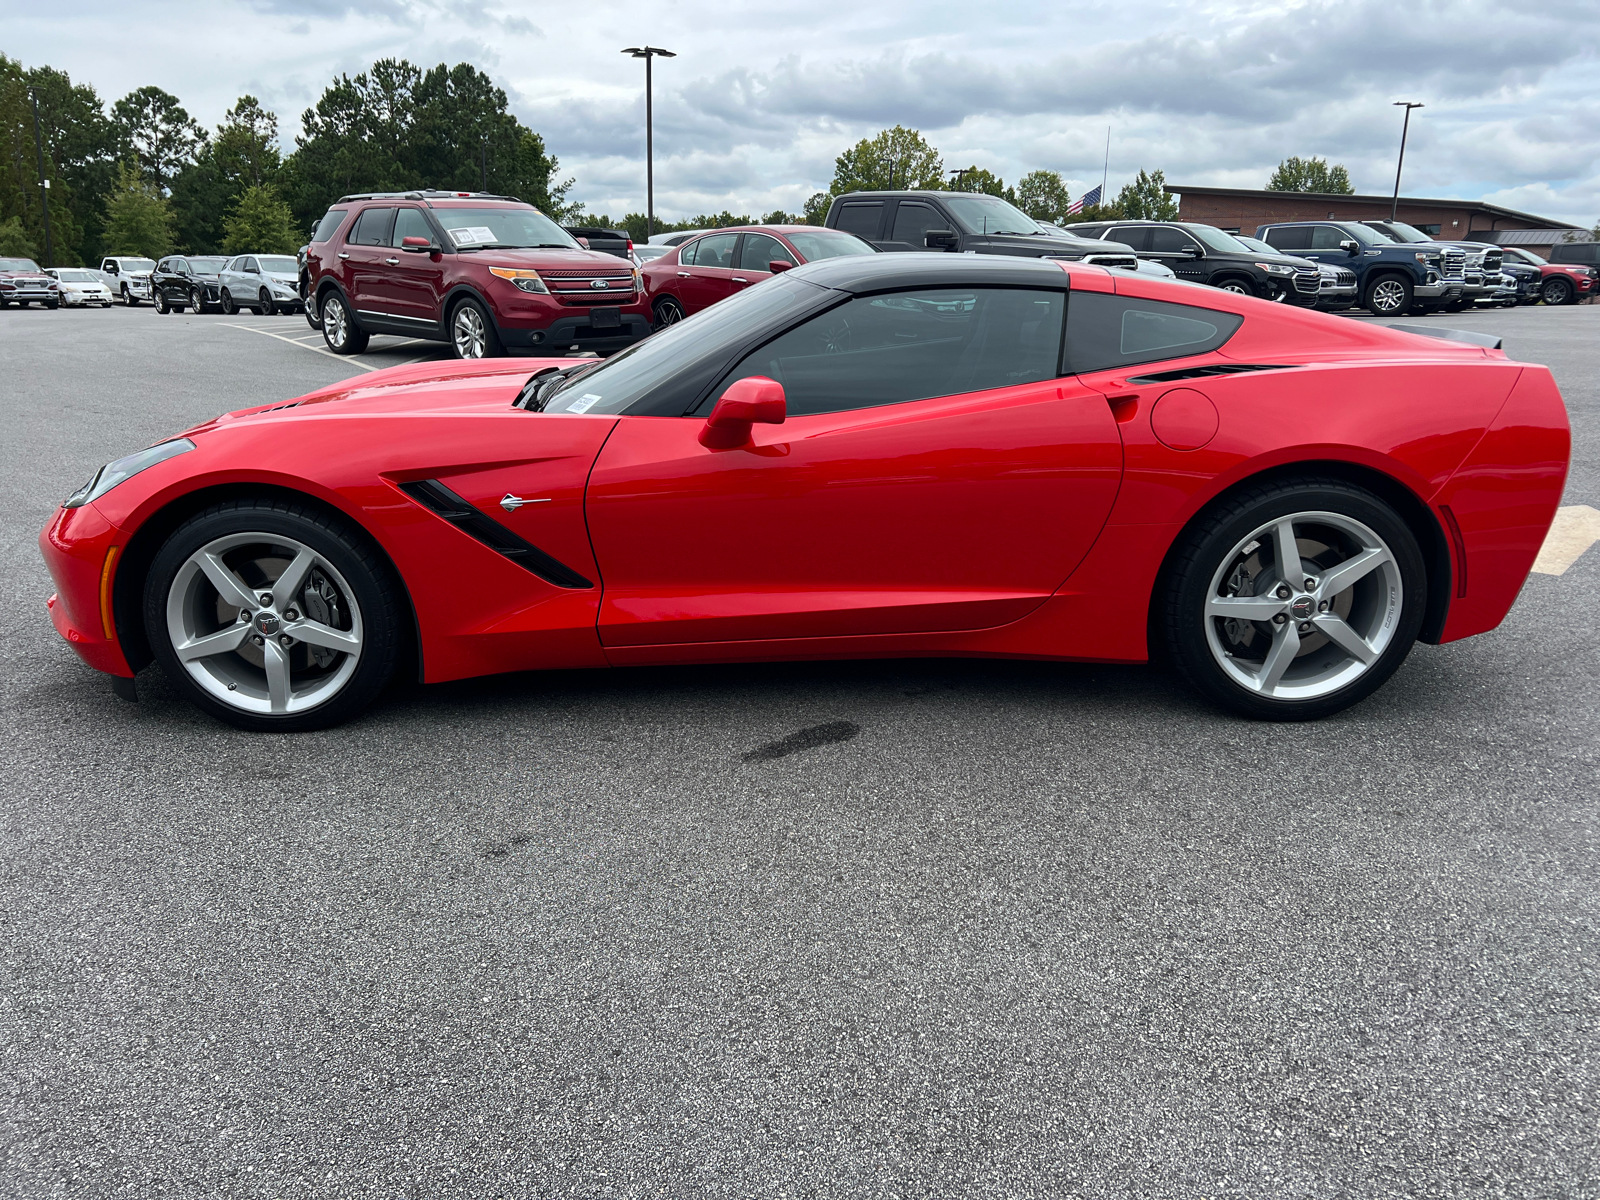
{"points": [[437, 498], [1214, 369]]}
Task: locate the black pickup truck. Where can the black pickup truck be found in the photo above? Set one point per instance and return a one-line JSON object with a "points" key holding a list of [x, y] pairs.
{"points": [[962, 222]]}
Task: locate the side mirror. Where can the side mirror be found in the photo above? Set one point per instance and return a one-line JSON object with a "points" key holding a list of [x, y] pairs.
{"points": [[1191, 252], [415, 245], [1349, 245], [754, 399], [940, 239], [778, 265], [584, 242]]}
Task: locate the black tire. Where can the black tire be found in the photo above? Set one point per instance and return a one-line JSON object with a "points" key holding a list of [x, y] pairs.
{"points": [[667, 312], [339, 328], [161, 302], [1239, 287], [1199, 644], [5, 304], [472, 332], [357, 565], [1388, 296], [228, 306], [52, 303], [266, 306], [128, 297], [197, 299], [313, 318], [1558, 291]]}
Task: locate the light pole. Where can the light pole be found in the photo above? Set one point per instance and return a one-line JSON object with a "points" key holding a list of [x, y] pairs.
{"points": [[647, 53], [1408, 105], [44, 184]]}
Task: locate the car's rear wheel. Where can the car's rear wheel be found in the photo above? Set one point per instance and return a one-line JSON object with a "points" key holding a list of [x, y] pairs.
{"points": [[339, 329], [668, 312], [1388, 296], [313, 318], [1294, 600], [228, 306], [472, 333], [272, 617], [1557, 291]]}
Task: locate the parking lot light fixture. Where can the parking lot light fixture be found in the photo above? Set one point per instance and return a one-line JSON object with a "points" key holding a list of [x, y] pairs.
{"points": [[1408, 105], [647, 53]]}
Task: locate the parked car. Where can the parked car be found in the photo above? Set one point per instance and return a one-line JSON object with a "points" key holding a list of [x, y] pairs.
{"points": [[183, 281], [1559, 283], [1336, 288], [1204, 254], [263, 283], [607, 241], [22, 283], [484, 273], [1579, 253], [80, 287], [870, 455], [717, 263], [1392, 279], [1145, 266], [649, 253], [128, 277], [676, 238], [1480, 270], [962, 222]]}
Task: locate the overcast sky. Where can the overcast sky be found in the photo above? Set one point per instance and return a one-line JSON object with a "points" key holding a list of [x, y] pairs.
{"points": [[760, 99]]}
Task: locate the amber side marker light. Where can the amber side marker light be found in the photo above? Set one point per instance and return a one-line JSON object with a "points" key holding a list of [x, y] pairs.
{"points": [[107, 621]]}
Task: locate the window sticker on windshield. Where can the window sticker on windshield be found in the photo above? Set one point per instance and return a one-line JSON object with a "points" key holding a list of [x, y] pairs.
{"points": [[474, 235], [584, 402]]}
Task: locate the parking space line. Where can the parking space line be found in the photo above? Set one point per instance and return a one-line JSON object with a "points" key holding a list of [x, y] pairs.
{"points": [[349, 358], [1575, 529]]}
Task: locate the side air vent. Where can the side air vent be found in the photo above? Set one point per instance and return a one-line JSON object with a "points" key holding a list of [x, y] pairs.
{"points": [[438, 499], [1214, 369]]}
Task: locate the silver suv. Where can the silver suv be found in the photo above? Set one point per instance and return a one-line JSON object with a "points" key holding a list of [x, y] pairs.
{"points": [[128, 278]]}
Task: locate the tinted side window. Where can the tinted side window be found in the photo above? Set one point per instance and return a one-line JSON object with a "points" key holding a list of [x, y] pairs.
{"points": [[1328, 237], [372, 227], [329, 224], [759, 250], [1105, 331], [1134, 237], [410, 223], [912, 222], [1169, 241], [1292, 237], [877, 350], [861, 219], [716, 250]]}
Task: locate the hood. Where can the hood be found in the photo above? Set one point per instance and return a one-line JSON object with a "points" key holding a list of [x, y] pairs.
{"points": [[1286, 260], [29, 276], [1044, 242], [489, 385], [548, 260]]}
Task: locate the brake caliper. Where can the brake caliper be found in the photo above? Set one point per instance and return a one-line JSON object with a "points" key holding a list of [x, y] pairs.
{"points": [[322, 605]]}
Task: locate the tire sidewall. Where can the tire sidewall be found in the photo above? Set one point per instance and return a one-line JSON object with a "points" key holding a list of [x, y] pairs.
{"points": [[1199, 555], [491, 338], [1400, 309], [1558, 292], [161, 303], [362, 568]]}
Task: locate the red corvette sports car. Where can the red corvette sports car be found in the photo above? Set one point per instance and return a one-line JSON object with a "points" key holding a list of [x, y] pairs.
{"points": [[884, 455]]}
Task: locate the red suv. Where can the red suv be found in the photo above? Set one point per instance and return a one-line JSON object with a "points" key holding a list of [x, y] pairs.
{"points": [[485, 273]]}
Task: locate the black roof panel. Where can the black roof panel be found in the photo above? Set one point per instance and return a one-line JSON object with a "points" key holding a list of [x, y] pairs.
{"points": [[860, 273]]}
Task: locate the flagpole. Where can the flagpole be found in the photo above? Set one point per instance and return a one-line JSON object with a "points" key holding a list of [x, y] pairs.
{"points": [[1105, 173]]}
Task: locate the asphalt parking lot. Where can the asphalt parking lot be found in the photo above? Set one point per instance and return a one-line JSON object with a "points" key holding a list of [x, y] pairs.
{"points": [[988, 930]]}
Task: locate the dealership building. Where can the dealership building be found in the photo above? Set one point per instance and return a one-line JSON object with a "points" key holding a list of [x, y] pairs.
{"points": [[1242, 210]]}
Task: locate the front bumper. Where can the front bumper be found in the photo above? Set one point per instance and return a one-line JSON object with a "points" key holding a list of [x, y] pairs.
{"points": [[29, 295], [1335, 298], [82, 299], [135, 286], [1444, 289], [80, 549], [576, 329]]}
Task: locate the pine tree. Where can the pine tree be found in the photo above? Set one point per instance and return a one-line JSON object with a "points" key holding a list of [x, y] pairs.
{"points": [[138, 219], [260, 223]]}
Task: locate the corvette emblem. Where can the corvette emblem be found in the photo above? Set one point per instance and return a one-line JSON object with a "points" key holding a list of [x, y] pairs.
{"points": [[511, 503], [1302, 608]]}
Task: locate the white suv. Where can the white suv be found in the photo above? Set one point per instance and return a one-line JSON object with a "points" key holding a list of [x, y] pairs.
{"points": [[128, 278]]}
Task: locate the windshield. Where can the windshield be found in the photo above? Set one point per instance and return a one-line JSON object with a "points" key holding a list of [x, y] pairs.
{"points": [[1401, 232], [828, 244], [503, 229], [278, 264], [989, 214], [207, 266], [18, 264], [1214, 239], [1367, 237], [1255, 244], [77, 277], [137, 264], [1527, 257], [707, 338]]}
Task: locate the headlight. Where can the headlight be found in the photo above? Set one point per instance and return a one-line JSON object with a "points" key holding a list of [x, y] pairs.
{"points": [[528, 281], [113, 473], [1276, 268], [1428, 260]]}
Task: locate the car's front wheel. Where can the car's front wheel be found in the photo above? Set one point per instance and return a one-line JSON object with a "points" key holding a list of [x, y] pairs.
{"points": [[228, 306], [1291, 601], [1388, 296], [1557, 291], [1237, 286], [339, 329], [265, 303], [472, 333], [161, 302], [273, 617]]}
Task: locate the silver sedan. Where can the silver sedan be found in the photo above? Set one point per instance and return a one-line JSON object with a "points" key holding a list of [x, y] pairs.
{"points": [[263, 283]]}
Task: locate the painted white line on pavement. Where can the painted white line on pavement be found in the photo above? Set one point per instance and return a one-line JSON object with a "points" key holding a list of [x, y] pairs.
{"points": [[1574, 530], [348, 358]]}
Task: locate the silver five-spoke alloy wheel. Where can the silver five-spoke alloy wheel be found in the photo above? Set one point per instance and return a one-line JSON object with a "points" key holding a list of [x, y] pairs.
{"points": [[264, 624], [1303, 606], [467, 328]]}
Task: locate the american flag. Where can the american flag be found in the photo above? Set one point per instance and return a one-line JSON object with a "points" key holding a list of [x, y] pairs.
{"points": [[1090, 198]]}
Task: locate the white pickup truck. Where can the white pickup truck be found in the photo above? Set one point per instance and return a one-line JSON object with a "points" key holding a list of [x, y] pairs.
{"points": [[128, 278]]}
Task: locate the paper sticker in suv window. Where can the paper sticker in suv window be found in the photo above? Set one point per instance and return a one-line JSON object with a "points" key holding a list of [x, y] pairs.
{"points": [[474, 235]]}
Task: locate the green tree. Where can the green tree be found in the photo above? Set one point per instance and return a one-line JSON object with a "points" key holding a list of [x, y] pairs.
{"points": [[1147, 199], [14, 240], [778, 217], [983, 180], [260, 223], [895, 158], [1095, 212], [816, 208], [160, 134], [138, 218], [1311, 175], [1043, 196], [246, 146]]}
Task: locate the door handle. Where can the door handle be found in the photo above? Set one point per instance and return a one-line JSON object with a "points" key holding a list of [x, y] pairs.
{"points": [[343, 254], [683, 275], [736, 279], [392, 261]]}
